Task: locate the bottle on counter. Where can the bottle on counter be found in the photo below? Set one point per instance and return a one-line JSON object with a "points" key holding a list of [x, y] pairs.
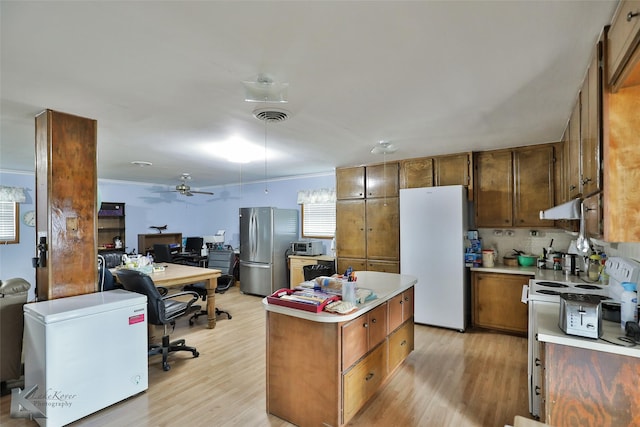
{"points": [[628, 304], [593, 271]]}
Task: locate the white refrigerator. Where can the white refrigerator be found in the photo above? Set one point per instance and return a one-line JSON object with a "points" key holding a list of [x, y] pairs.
{"points": [[82, 354], [433, 226]]}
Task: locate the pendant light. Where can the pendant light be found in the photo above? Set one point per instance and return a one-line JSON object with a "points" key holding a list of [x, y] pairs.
{"points": [[269, 114]]}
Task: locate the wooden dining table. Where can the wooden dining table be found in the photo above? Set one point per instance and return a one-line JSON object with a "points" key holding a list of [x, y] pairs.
{"points": [[175, 275]]}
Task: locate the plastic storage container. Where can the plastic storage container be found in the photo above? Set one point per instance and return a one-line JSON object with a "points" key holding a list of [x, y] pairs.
{"points": [[628, 304]]}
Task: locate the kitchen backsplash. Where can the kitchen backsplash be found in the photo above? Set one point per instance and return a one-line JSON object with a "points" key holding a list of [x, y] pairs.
{"points": [[506, 240]]}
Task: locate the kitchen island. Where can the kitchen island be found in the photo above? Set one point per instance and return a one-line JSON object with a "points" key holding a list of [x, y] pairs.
{"points": [[323, 367], [590, 381]]}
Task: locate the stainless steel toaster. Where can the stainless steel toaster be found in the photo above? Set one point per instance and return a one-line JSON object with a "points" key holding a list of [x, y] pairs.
{"points": [[580, 315]]}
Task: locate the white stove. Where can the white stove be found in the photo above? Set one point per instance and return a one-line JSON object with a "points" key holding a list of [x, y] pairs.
{"points": [[545, 290]]}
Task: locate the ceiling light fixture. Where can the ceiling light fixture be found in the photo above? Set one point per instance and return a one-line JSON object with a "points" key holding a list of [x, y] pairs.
{"points": [[384, 147], [264, 89], [141, 163]]}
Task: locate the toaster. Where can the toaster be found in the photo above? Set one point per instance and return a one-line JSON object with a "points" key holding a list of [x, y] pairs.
{"points": [[580, 315]]}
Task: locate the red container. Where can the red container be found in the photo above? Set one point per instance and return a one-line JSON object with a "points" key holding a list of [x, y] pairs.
{"points": [[276, 299]]}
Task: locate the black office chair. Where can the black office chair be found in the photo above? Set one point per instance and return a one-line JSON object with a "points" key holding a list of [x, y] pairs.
{"points": [[161, 310], [218, 260], [161, 253]]}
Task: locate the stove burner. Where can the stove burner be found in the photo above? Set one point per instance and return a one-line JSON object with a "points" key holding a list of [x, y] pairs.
{"points": [[581, 286], [547, 292], [552, 285]]}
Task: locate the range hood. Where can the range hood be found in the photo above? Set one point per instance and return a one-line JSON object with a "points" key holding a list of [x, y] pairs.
{"points": [[569, 210]]}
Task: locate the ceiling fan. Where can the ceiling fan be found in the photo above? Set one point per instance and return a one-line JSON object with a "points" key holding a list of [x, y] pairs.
{"points": [[186, 190]]}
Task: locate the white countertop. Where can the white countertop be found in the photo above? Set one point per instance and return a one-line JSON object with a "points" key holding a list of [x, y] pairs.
{"points": [[549, 331], [384, 285]]}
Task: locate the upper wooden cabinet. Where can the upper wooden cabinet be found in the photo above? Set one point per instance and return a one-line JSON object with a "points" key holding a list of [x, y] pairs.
{"points": [[358, 182], [590, 125], [453, 169], [572, 151], [351, 237], [513, 186], [416, 173], [623, 40], [383, 229], [350, 183], [493, 188], [382, 180]]}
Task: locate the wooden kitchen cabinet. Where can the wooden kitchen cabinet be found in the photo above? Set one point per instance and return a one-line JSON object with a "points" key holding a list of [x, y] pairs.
{"points": [[591, 123], [401, 309], [453, 169], [416, 173], [533, 169], [382, 180], [363, 380], [595, 387], [368, 229], [572, 152], [363, 334], [350, 183], [513, 186], [593, 215], [494, 188], [623, 41], [496, 302], [401, 343]]}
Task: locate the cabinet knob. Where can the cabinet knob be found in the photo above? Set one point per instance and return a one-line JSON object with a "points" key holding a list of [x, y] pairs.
{"points": [[586, 181], [537, 362], [406, 298], [369, 376], [401, 302], [374, 320], [631, 15], [572, 187], [365, 325], [404, 342], [537, 391]]}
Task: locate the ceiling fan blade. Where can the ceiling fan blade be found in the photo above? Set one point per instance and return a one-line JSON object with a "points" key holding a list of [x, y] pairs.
{"points": [[188, 193], [203, 192]]}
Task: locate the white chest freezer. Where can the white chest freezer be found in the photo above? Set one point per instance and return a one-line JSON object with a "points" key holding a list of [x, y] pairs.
{"points": [[84, 353]]}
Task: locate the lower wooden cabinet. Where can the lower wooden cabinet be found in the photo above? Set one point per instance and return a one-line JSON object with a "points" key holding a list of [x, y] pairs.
{"points": [[400, 345], [496, 302], [362, 334], [363, 379]]}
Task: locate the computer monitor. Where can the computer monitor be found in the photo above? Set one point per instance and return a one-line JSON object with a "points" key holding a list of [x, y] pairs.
{"points": [[193, 244]]}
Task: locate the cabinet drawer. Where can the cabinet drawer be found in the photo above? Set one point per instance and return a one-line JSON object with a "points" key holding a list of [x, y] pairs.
{"points": [[363, 380], [400, 345], [354, 340]]}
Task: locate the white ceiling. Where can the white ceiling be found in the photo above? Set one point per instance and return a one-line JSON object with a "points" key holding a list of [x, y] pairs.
{"points": [[164, 79]]}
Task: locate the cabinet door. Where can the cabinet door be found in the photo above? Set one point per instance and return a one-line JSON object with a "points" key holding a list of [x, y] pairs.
{"points": [[494, 189], [377, 325], [363, 380], [415, 173], [382, 180], [533, 177], [350, 229], [400, 345], [593, 215], [383, 229], [407, 304], [350, 183], [624, 36], [297, 274], [452, 170], [496, 302], [573, 153], [354, 340], [591, 106]]}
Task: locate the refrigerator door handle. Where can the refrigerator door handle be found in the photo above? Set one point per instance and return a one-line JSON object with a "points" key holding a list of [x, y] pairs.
{"points": [[255, 264]]}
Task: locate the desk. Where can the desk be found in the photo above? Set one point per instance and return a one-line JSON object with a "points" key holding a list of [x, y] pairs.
{"points": [[180, 275]]}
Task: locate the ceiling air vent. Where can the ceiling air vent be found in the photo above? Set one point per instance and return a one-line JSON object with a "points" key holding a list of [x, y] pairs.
{"points": [[271, 114]]}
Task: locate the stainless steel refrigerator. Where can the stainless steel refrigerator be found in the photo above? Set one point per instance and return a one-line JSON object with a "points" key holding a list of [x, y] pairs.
{"points": [[433, 225], [265, 235]]}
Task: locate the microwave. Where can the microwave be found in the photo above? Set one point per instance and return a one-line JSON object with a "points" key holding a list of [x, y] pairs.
{"points": [[307, 247]]}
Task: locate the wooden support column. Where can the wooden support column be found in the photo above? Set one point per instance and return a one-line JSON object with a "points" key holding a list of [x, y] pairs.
{"points": [[66, 205]]}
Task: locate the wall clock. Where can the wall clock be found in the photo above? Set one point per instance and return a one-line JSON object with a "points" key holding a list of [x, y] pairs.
{"points": [[29, 218]]}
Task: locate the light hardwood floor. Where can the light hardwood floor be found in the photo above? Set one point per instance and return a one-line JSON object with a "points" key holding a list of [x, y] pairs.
{"points": [[451, 379]]}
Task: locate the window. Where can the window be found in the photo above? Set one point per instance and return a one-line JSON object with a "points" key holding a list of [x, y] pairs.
{"points": [[9, 227], [319, 219]]}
